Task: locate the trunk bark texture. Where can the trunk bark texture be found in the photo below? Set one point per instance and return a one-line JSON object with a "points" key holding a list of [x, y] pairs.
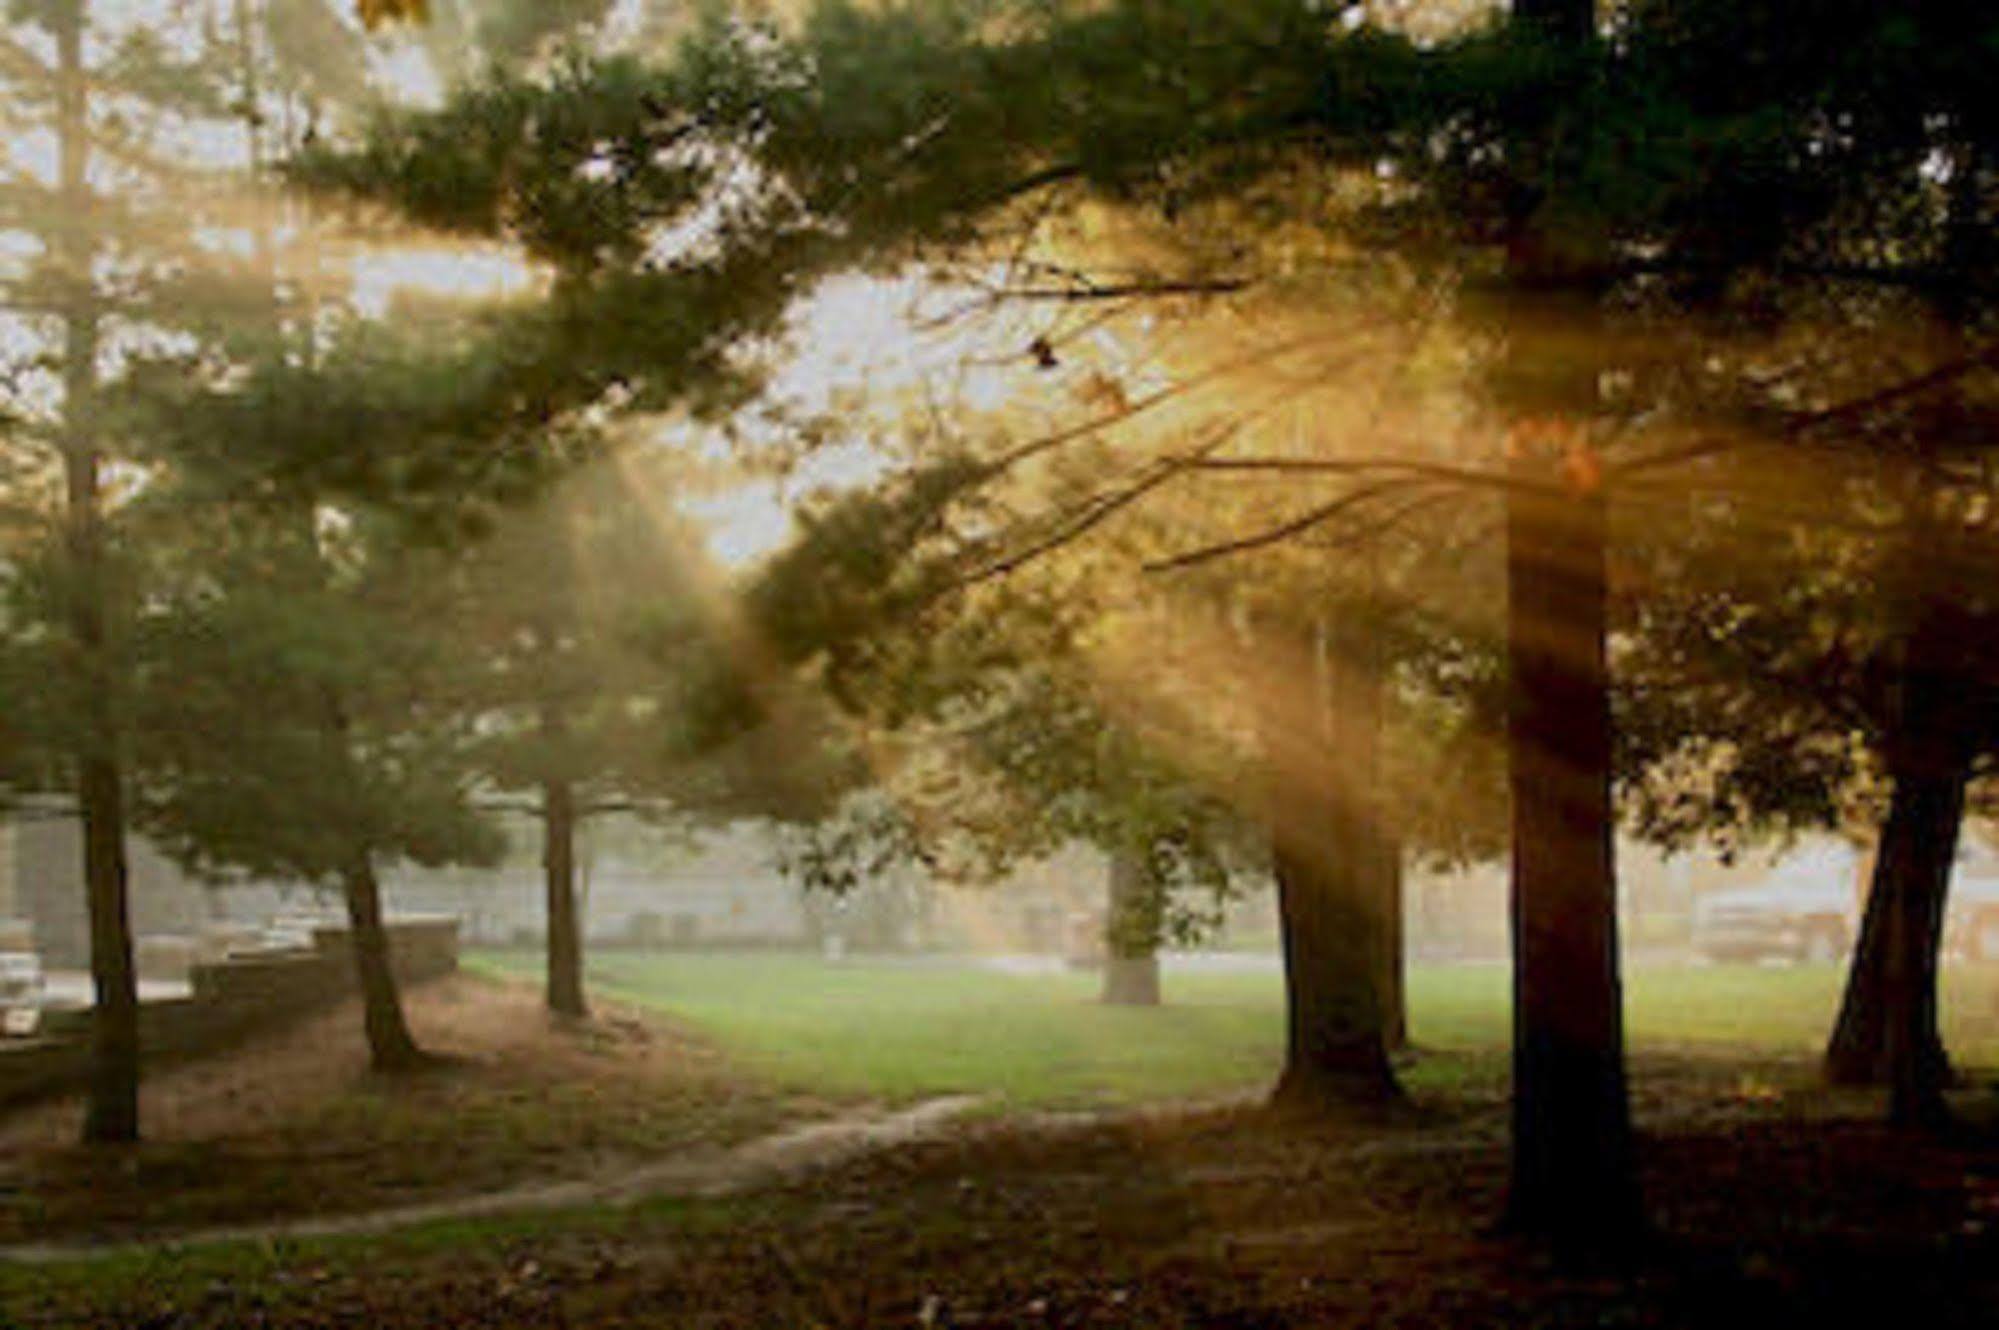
{"points": [[565, 930], [391, 1047]]}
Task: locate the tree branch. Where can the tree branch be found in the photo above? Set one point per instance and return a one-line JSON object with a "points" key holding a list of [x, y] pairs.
{"points": [[1286, 530]]}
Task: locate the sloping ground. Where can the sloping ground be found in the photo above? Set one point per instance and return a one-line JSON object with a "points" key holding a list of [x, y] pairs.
{"points": [[698, 1173], [296, 1124], [1773, 1210]]}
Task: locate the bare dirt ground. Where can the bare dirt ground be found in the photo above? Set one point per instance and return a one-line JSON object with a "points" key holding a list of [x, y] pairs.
{"points": [[295, 1123]]}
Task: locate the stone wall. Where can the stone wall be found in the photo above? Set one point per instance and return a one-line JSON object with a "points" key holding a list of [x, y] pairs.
{"points": [[233, 999]]}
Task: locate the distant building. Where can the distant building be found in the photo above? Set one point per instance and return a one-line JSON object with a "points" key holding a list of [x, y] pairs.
{"points": [[639, 887], [42, 858]]}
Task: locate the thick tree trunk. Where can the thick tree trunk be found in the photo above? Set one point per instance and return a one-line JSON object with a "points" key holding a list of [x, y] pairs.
{"points": [[565, 930], [1887, 1026], [1857, 1053], [112, 1112], [1574, 1178], [1335, 1045], [1330, 854], [391, 1047], [1573, 1173], [1131, 933]]}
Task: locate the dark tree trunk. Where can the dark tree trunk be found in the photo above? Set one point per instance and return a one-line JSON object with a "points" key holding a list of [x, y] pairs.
{"points": [[1329, 854], [1131, 933], [1857, 1053], [1335, 1045], [565, 930], [1887, 1027], [1394, 958], [112, 1112], [1573, 1174], [391, 1047], [1574, 1178]]}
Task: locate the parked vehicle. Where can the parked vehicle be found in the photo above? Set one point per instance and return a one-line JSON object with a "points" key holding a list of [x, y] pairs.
{"points": [[20, 992], [1806, 910], [1809, 910], [1971, 914]]}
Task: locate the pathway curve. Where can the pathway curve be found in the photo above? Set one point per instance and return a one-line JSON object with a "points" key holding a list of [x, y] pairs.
{"points": [[785, 1154]]}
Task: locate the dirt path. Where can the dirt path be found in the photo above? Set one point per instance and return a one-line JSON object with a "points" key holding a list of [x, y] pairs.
{"points": [[785, 1154]]}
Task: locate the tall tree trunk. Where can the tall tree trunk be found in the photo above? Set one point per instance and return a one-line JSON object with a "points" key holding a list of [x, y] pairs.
{"points": [[1887, 1029], [1887, 1026], [1394, 946], [1131, 932], [1574, 1177], [112, 1113], [1329, 853], [565, 930], [1573, 1173], [391, 1047]]}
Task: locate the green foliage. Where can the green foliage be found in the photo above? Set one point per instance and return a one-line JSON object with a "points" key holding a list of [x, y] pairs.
{"points": [[346, 752], [1782, 161]]}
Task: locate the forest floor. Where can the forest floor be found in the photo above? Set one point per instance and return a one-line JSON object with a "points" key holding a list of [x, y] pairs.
{"points": [[293, 1123], [1773, 1204], [701, 1193]]}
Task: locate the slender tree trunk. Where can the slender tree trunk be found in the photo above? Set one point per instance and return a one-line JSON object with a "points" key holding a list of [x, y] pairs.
{"points": [[1329, 853], [112, 1113], [1573, 1173], [1394, 950], [1131, 932], [565, 931], [391, 1047]]}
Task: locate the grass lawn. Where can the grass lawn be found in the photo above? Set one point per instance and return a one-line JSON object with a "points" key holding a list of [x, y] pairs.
{"points": [[900, 1030], [1799, 1211]]}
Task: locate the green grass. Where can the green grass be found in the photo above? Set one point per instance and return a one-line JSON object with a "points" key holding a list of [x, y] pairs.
{"points": [[126, 1276], [899, 1031]]}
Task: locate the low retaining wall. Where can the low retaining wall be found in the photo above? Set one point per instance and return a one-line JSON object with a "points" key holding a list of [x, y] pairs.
{"points": [[233, 999]]}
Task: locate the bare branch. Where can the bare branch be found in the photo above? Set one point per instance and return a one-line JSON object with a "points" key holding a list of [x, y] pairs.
{"points": [[1048, 442], [1474, 477], [1099, 509], [1286, 530], [1813, 422]]}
